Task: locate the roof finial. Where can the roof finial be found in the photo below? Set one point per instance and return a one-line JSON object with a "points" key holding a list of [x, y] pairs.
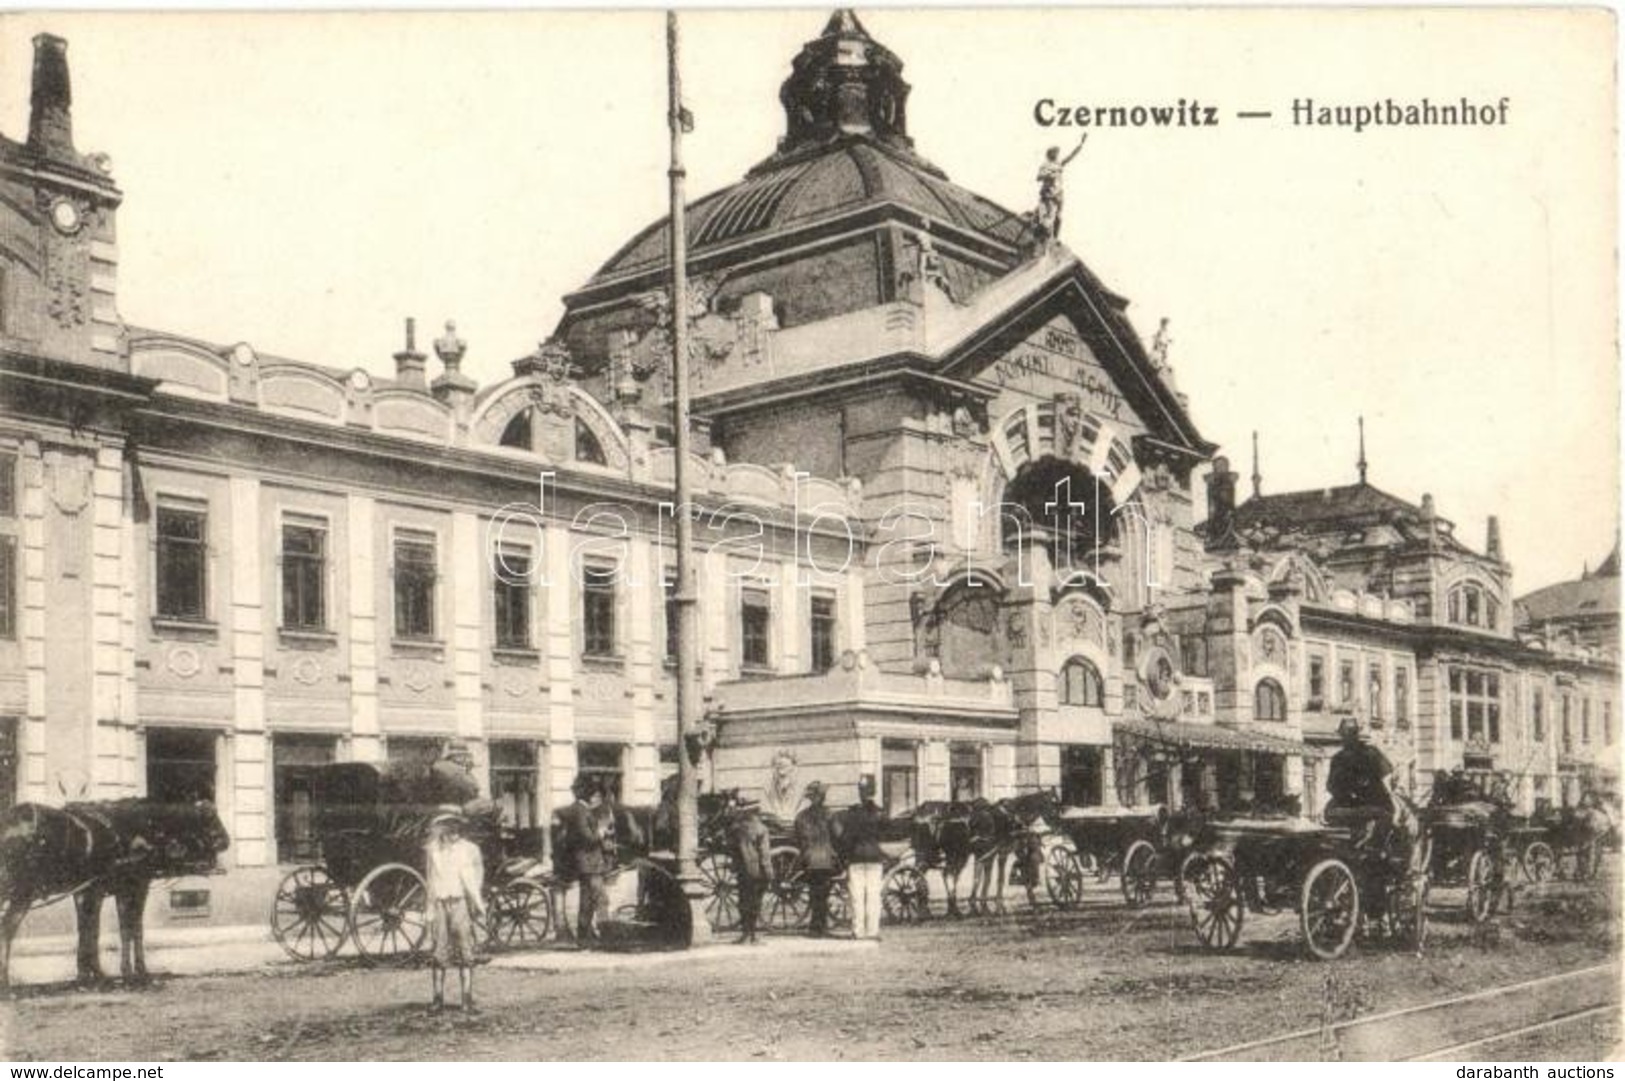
{"points": [[1362, 450], [1258, 479]]}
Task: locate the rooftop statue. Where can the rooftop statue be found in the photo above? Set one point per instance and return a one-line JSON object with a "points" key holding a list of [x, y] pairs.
{"points": [[1050, 196]]}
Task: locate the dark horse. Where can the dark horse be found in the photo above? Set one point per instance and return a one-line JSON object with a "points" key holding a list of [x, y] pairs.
{"points": [[1005, 829], [91, 850], [940, 834]]}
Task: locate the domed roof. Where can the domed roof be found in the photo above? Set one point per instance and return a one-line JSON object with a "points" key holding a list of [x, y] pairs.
{"points": [[851, 174], [846, 149]]}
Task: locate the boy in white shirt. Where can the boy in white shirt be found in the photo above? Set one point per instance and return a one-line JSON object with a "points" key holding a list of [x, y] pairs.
{"points": [[456, 880]]}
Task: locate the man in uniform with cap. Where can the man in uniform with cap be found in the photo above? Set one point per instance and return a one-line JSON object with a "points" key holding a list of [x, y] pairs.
{"points": [[753, 860], [1360, 783], [818, 856], [860, 840]]}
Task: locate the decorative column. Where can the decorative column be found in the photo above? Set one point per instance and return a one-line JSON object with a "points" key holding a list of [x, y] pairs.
{"points": [[31, 738], [559, 663], [644, 587], [469, 592]]}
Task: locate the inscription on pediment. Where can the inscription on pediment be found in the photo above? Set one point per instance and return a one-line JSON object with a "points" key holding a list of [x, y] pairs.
{"points": [[1054, 360]]}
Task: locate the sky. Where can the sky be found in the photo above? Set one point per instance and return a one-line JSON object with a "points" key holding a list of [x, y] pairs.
{"points": [[304, 182]]}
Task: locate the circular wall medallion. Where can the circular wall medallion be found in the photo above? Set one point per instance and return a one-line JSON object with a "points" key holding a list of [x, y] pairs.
{"points": [[307, 670], [184, 662], [515, 685], [418, 678], [243, 353], [360, 380], [65, 216]]}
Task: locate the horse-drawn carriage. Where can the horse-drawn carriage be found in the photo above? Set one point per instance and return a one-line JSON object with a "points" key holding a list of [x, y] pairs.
{"points": [[1566, 842], [368, 888], [1344, 880], [1143, 845], [1472, 831]]}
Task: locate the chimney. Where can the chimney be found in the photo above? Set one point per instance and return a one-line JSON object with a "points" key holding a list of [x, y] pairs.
{"points": [[1258, 478], [409, 362], [1492, 539], [50, 117], [1430, 520], [1221, 503]]}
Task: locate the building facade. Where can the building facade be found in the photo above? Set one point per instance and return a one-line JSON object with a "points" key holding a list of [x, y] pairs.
{"points": [[948, 515]]}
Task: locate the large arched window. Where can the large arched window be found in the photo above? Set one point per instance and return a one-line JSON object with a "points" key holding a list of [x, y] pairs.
{"points": [[1471, 605], [1269, 701], [1080, 684], [1063, 502]]}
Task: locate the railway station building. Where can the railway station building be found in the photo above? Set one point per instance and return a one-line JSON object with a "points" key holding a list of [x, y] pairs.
{"points": [[960, 530]]}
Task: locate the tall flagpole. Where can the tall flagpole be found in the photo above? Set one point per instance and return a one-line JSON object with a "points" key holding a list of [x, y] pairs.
{"points": [[688, 689]]}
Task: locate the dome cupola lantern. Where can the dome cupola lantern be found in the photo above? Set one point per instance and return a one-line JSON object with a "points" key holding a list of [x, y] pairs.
{"points": [[844, 82]]}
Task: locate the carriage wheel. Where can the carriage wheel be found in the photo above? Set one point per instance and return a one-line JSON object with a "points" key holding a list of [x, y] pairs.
{"points": [[520, 915], [721, 891], [784, 902], [308, 914], [904, 895], [1539, 862], [389, 915], [1213, 894], [840, 904], [1063, 876], [1482, 889], [1139, 874], [1408, 911], [1329, 909]]}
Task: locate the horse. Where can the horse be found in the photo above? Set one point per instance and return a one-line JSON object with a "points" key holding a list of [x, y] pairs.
{"points": [[91, 851], [1004, 829], [940, 834]]}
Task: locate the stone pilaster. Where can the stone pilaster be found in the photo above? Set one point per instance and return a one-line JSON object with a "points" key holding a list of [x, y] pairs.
{"points": [[644, 588], [32, 737], [559, 648], [365, 744], [112, 666], [250, 812], [470, 597]]}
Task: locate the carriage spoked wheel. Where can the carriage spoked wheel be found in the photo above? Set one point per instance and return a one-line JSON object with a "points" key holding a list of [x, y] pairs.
{"points": [[721, 891], [1408, 911], [389, 914], [1329, 909], [308, 914], [1539, 862], [1063, 876], [905, 897], [784, 903], [520, 914], [1483, 889], [1139, 874], [1213, 894]]}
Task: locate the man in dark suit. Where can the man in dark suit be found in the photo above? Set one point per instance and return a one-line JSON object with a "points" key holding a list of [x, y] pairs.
{"points": [[813, 837], [580, 854]]}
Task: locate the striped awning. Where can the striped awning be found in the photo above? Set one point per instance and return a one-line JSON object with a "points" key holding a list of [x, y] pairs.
{"points": [[1183, 735]]}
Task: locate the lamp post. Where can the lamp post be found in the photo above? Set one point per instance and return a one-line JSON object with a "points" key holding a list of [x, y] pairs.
{"points": [[691, 736]]}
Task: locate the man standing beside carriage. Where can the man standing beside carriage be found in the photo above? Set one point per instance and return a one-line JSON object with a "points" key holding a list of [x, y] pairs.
{"points": [[752, 856], [860, 842], [818, 854], [583, 836]]}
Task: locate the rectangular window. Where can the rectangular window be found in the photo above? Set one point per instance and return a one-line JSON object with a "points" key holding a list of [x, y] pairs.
{"points": [[964, 772], [1475, 704], [510, 595], [514, 782], [1374, 691], [1317, 683], [1585, 720], [1537, 715], [1081, 776], [1402, 697], [823, 633], [598, 609], [1607, 723], [1345, 684], [1568, 730], [8, 587], [295, 763], [416, 570], [304, 575], [673, 617], [899, 778], [8, 763], [601, 762], [183, 559], [755, 626], [180, 765], [8, 482]]}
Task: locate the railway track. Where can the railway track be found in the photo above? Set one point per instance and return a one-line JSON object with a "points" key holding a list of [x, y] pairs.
{"points": [[1450, 1028]]}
